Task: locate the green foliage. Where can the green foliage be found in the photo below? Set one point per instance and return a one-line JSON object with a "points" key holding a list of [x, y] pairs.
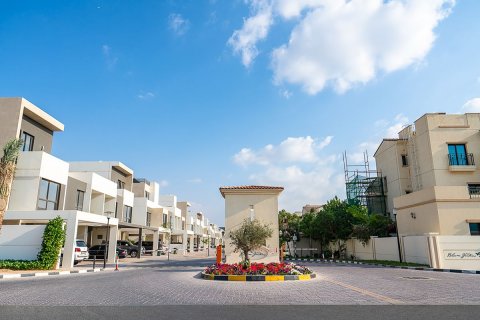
{"points": [[289, 225], [53, 238], [11, 151], [249, 236]]}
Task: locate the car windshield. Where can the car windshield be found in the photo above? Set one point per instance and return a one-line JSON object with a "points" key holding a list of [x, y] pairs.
{"points": [[81, 243]]}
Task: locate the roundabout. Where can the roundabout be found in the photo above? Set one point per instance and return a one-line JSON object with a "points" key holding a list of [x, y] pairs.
{"points": [[257, 272]]}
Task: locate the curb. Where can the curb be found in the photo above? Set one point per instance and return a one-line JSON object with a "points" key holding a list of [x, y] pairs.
{"points": [[50, 273], [386, 266], [249, 278]]}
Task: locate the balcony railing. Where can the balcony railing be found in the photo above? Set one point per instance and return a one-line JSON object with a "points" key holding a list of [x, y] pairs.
{"points": [[474, 191], [461, 159]]}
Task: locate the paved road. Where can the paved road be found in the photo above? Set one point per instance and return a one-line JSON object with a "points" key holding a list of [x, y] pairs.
{"points": [[158, 282]]}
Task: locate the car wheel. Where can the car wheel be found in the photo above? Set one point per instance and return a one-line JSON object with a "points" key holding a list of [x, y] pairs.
{"points": [[133, 254]]}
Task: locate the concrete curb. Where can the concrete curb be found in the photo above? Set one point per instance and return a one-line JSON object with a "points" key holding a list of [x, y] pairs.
{"points": [[385, 265], [258, 277], [49, 273]]}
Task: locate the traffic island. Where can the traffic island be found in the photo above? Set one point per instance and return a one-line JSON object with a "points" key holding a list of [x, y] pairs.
{"points": [[257, 272]]}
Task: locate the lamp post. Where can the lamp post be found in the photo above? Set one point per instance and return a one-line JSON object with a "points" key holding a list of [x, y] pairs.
{"points": [[294, 238], [398, 238], [107, 242]]}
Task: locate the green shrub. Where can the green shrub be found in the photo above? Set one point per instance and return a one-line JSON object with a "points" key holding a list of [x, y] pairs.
{"points": [[53, 238]]}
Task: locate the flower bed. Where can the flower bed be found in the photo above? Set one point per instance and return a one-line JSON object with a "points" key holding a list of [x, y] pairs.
{"points": [[257, 269]]}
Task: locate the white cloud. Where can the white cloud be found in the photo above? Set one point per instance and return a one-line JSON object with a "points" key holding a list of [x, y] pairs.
{"points": [[163, 183], [472, 105], [110, 59], [196, 180], [146, 96], [178, 24], [290, 150], [287, 94], [299, 165], [341, 43], [254, 29]]}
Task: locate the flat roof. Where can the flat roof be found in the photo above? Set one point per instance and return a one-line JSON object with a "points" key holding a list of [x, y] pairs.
{"points": [[247, 188], [40, 116]]}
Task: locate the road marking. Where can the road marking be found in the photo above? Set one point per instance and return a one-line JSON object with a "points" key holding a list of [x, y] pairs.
{"points": [[366, 292]]}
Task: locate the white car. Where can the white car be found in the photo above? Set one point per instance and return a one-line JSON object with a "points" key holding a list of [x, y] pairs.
{"points": [[81, 251]]}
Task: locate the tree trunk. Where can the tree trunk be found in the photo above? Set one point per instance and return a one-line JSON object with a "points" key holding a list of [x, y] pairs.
{"points": [[7, 172]]}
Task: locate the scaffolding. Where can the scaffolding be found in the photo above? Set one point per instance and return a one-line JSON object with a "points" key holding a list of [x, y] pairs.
{"points": [[365, 187]]}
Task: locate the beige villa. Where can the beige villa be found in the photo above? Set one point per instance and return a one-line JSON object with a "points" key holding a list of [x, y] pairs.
{"points": [[432, 178]]}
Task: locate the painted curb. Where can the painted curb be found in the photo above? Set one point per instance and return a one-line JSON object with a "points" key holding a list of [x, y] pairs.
{"points": [[49, 273], [386, 266], [249, 278]]}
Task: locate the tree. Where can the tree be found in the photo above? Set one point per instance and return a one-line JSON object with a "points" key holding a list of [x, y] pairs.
{"points": [[251, 235], [8, 164]]}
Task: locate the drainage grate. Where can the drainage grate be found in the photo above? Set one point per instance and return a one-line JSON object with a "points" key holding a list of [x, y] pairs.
{"points": [[417, 278]]}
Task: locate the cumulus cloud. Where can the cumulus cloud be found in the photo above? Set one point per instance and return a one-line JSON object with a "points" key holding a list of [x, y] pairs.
{"points": [[290, 150], [255, 28], [298, 164], [341, 43], [472, 106], [178, 24]]}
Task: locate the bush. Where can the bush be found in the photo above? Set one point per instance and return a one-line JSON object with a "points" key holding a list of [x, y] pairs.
{"points": [[53, 238]]}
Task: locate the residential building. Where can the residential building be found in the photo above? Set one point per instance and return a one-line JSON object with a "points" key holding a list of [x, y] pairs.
{"points": [[252, 202], [311, 208], [432, 180]]}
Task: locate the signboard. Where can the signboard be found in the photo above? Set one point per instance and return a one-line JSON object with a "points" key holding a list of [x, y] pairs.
{"points": [[461, 254]]}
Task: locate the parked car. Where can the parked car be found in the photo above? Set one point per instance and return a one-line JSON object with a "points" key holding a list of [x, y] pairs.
{"points": [[99, 252], [132, 250], [149, 247], [80, 252]]}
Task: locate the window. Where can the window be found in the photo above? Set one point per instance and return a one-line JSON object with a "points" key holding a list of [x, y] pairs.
{"points": [[80, 197], [404, 160], [474, 229], [127, 214], [165, 220], [457, 154], [120, 184], [48, 195], [116, 209], [474, 190], [149, 219], [28, 140], [147, 195]]}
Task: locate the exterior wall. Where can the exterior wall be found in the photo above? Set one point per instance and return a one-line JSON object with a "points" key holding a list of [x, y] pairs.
{"points": [[31, 167], [22, 242], [415, 249], [237, 209], [71, 196], [458, 252], [11, 114], [43, 137]]}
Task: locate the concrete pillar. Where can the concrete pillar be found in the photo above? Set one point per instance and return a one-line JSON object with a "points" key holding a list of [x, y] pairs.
{"points": [[140, 236], [112, 244], [156, 236], [70, 237], [184, 243], [191, 243]]}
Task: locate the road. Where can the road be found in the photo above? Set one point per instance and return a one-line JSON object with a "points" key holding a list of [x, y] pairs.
{"points": [[158, 282]]}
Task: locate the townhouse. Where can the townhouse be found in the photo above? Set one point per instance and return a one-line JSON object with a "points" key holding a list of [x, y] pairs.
{"points": [[100, 201], [432, 179]]}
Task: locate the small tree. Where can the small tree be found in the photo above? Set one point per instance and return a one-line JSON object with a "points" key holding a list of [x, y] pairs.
{"points": [[8, 164], [251, 235]]}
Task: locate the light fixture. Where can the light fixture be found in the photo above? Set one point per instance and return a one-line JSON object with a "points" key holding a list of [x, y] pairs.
{"points": [[413, 215]]}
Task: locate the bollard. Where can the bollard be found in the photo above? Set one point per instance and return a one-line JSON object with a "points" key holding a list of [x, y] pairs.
{"points": [[116, 261], [94, 260]]}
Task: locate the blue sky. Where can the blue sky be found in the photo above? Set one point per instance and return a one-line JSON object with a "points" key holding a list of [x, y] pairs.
{"points": [[201, 94]]}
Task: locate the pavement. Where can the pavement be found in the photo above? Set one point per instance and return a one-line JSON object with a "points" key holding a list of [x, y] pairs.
{"points": [[154, 281]]}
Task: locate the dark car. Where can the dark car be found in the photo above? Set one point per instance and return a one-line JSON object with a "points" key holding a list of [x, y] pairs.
{"points": [[132, 250], [148, 245], [99, 252]]}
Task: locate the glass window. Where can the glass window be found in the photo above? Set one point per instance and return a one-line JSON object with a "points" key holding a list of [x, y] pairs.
{"points": [[404, 160], [80, 197], [27, 141], [120, 184], [48, 195], [147, 195], [474, 229], [457, 154], [149, 219], [127, 214]]}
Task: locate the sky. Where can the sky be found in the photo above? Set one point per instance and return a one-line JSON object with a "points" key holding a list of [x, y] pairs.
{"points": [[202, 94]]}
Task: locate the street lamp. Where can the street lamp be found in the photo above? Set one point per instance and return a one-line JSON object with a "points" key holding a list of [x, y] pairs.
{"points": [[294, 238], [105, 253]]}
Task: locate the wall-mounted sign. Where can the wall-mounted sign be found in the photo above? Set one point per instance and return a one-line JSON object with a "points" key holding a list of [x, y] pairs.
{"points": [[461, 254], [259, 254]]}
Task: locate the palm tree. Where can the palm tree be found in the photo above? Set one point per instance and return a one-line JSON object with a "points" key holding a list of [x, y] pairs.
{"points": [[8, 164]]}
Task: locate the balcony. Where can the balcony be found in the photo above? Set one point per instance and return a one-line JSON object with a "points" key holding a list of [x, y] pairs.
{"points": [[474, 191], [461, 162]]}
